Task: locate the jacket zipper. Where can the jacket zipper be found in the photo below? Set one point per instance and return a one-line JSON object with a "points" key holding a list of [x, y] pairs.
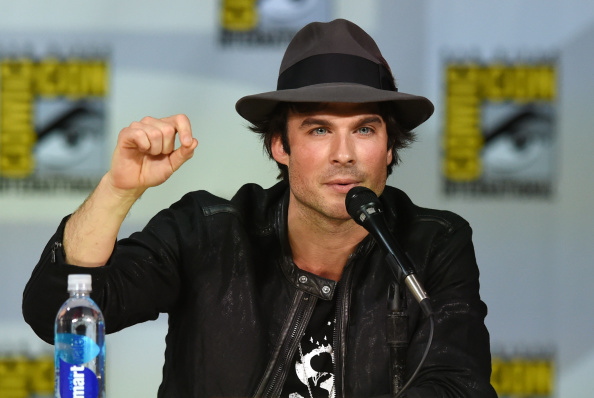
{"points": [[57, 245], [342, 308], [37, 271], [305, 306]]}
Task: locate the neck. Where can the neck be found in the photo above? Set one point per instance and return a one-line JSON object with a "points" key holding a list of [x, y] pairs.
{"points": [[322, 246]]}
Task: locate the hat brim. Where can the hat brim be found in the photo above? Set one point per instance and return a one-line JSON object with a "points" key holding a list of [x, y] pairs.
{"points": [[411, 110]]}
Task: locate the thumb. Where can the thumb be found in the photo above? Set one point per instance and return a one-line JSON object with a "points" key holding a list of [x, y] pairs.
{"points": [[182, 154]]}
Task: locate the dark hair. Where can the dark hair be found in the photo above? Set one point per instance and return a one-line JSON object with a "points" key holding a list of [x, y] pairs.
{"points": [[277, 124]]}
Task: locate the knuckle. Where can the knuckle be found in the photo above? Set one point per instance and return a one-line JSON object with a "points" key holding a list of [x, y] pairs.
{"points": [[182, 119], [152, 132], [168, 130], [135, 126]]}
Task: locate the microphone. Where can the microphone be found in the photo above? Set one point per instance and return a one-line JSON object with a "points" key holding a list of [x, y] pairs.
{"points": [[364, 207]]}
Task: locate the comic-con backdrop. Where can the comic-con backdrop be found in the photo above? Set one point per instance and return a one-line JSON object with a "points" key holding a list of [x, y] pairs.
{"points": [[500, 127], [508, 148], [52, 120]]}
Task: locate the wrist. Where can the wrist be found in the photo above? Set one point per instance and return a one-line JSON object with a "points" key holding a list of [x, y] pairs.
{"points": [[124, 195]]}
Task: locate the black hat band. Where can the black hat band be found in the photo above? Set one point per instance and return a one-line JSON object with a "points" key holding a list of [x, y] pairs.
{"points": [[336, 68]]}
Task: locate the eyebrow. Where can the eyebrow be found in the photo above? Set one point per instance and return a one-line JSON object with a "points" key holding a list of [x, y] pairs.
{"points": [[313, 121], [371, 119]]}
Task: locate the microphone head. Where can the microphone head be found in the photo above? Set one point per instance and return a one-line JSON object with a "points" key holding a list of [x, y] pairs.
{"points": [[360, 202]]}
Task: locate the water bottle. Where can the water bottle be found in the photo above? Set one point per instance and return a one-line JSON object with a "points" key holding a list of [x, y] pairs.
{"points": [[79, 343]]}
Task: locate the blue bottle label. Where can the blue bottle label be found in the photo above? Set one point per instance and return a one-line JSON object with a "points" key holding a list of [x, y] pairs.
{"points": [[76, 349], [77, 381]]}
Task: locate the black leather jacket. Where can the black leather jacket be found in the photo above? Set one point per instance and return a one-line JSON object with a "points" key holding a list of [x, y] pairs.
{"points": [[237, 304]]}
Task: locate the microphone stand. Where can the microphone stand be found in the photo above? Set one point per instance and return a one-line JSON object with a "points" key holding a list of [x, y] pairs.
{"points": [[364, 207], [397, 336]]}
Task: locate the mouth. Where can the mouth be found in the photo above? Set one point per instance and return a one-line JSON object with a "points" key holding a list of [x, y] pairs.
{"points": [[342, 185]]}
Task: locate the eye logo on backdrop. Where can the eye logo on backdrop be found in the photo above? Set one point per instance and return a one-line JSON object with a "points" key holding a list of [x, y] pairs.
{"points": [[499, 130], [267, 22], [52, 122]]}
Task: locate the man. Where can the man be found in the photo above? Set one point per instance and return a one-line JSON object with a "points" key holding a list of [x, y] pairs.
{"points": [[278, 292]]}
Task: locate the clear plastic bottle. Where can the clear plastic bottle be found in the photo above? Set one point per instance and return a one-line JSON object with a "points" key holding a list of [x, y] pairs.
{"points": [[79, 343]]}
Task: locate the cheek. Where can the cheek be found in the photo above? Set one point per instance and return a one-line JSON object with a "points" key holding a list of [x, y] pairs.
{"points": [[377, 166], [300, 166], [305, 157], [378, 157]]}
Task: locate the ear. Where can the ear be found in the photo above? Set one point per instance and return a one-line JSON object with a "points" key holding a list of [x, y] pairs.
{"points": [[389, 157], [278, 150]]}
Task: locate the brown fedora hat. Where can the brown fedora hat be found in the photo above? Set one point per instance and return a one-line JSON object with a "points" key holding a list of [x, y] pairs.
{"points": [[335, 62]]}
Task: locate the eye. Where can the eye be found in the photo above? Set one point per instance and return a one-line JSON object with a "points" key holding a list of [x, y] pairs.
{"points": [[365, 130], [319, 131]]}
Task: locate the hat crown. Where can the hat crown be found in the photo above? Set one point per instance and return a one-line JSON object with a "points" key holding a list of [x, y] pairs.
{"points": [[335, 61], [336, 37]]}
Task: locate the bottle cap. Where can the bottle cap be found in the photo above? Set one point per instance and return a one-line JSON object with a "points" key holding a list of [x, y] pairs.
{"points": [[79, 282]]}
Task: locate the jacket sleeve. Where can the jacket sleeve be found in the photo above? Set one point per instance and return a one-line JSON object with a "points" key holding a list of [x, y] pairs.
{"points": [[458, 363], [140, 280]]}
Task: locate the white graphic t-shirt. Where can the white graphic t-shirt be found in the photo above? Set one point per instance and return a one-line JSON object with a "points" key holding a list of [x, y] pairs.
{"points": [[312, 372]]}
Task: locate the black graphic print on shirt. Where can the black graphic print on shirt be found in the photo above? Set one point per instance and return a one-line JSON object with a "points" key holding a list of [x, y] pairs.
{"points": [[312, 372]]}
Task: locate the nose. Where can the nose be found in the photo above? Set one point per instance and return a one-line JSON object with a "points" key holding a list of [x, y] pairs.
{"points": [[343, 150]]}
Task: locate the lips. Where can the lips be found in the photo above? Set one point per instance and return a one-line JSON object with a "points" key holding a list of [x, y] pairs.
{"points": [[342, 185]]}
